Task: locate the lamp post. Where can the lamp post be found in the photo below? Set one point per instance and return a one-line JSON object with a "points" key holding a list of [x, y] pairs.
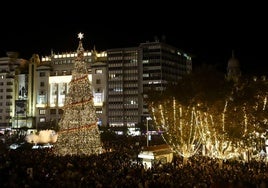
{"points": [[147, 131]]}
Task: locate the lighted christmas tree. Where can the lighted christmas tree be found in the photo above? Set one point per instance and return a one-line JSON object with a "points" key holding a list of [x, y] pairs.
{"points": [[78, 130]]}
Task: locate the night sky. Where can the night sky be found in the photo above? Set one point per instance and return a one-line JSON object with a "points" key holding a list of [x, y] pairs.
{"points": [[207, 31]]}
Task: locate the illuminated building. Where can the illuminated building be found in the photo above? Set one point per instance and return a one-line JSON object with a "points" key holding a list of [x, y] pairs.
{"points": [[15, 102], [54, 74], [124, 88], [120, 78], [162, 64], [134, 71]]}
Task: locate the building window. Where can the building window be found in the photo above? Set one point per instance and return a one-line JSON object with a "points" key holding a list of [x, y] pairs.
{"points": [[42, 119], [42, 84], [98, 71], [8, 103], [97, 98], [98, 81], [60, 111], [9, 97], [145, 75], [64, 72], [98, 110], [53, 111], [8, 110], [42, 99], [42, 111], [42, 74]]}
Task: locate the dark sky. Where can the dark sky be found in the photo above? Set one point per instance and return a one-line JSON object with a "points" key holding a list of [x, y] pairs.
{"points": [[208, 31]]}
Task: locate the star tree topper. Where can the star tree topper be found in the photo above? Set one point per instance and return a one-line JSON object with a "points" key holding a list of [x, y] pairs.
{"points": [[80, 35]]}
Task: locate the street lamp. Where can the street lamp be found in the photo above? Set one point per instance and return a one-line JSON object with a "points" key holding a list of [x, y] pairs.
{"points": [[147, 127]]}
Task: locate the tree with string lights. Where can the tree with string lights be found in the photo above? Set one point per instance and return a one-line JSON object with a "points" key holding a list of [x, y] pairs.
{"points": [[183, 127], [78, 130], [182, 111], [229, 120]]}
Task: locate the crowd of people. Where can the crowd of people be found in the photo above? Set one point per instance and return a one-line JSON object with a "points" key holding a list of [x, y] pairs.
{"points": [[120, 167]]}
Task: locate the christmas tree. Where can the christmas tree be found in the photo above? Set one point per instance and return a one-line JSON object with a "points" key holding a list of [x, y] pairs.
{"points": [[78, 130]]}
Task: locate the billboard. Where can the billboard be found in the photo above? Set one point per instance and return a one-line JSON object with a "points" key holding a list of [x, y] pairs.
{"points": [[21, 107], [22, 79]]}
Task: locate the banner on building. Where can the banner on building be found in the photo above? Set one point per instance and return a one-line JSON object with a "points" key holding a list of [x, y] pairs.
{"points": [[22, 79], [21, 107]]}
